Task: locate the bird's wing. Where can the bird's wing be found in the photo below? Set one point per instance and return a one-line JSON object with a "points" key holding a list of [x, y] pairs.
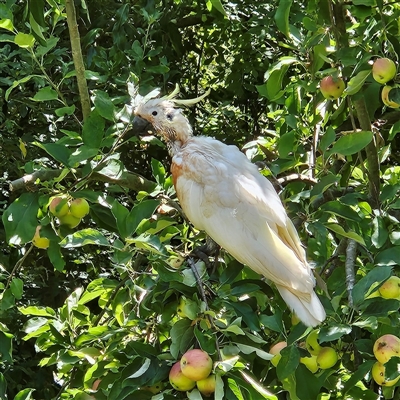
{"points": [[223, 194]]}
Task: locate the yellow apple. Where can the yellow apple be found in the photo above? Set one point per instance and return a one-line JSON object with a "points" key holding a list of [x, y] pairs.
{"points": [[378, 373], [207, 386], [179, 381], [59, 206], [327, 357], [196, 364], [310, 363], [385, 98], [79, 208], [386, 347], [383, 70], [39, 241], [69, 220], [275, 350], [312, 344], [332, 88], [390, 289]]}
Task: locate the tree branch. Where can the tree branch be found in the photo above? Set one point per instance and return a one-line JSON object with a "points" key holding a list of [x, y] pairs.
{"points": [[77, 57], [351, 254], [127, 180]]}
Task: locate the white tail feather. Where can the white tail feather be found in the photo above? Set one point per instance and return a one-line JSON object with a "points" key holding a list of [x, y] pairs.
{"points": [[311, 313]]}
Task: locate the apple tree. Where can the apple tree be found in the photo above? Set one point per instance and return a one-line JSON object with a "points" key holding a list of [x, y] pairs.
{"points": [[105, 285]]}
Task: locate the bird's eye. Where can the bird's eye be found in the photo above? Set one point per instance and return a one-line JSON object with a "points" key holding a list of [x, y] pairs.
{"points": [[169, 117], [154, 113]]}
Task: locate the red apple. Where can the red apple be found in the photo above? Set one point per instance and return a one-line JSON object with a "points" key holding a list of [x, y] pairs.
{"points": [[79, 208], [207, 386], [275, 350], [59, 206], [179, 381], [386, 347], [332, 88], [383, 70], [196, 364]]}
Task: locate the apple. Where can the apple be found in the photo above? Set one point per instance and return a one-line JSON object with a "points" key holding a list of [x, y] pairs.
{"points": [[96, 384], [312, 344], [386, 347], [327, 357], [196, 364], [275, 350], [390, 289], [39, 241], [69, 220], [385, 98], [378, 373], [383, 70], [59, 206], [207, 386], [156, 388], [79, 208], [310, 363], [332, 88], [178, 381]]}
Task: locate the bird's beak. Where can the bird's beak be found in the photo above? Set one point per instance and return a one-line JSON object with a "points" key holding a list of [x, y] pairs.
{"points": [[141, 127]]}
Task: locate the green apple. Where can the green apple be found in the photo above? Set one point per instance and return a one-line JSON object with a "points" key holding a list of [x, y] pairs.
{"points": [[39, 241], [196, 364], [179, 381], [385, 98], [156, 388], [312, 344], [383, 70], [332, 88], [390, 289], [69, 220], [327, 357], [207, 386], [275, 350], [378, 373], [310, 363], [79, 208], [59, 206], [386, 347]]}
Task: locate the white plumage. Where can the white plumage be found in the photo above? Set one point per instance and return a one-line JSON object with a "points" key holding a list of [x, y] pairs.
{"points": [[222, 193]]}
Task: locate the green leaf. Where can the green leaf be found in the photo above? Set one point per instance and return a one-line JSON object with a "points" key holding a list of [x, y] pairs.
{"points": [[358, 375], [290, 359], [333, 332], [6, 347], [121, 214], [324, 184], [349, 234], [45, 94], [55, 256], [82, 153], [104, 105], [287, 144], [356, 82], [37, 311], [93, 130], [17, 288], [24, 40], [19, 219], [380, 233], [59, 152], [246, 349], [342, 210], [60, 112], [140, 212], [25, 394], [282, 16], [36, 8], [388, 256], [3, 387], [181, 336], [83, 238], [327, 139], [7, 24], [16, 84], [362, 287], [218, 6], [351, 143]]}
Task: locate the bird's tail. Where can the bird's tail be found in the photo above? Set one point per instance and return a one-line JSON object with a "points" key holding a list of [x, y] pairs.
{"points": [[311, 313]]}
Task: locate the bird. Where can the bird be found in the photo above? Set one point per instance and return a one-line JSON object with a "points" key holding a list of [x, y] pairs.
{"points": [[223, 193]]}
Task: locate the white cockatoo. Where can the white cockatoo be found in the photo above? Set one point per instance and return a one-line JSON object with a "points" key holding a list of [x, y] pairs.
{"points": [[223, 194]]}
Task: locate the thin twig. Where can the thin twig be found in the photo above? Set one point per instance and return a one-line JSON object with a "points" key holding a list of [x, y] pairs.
{"points": [[18, 264], [351, 254]]}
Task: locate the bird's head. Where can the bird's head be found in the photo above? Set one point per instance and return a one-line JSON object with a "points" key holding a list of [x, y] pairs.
{"points": [[166, 117]]}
